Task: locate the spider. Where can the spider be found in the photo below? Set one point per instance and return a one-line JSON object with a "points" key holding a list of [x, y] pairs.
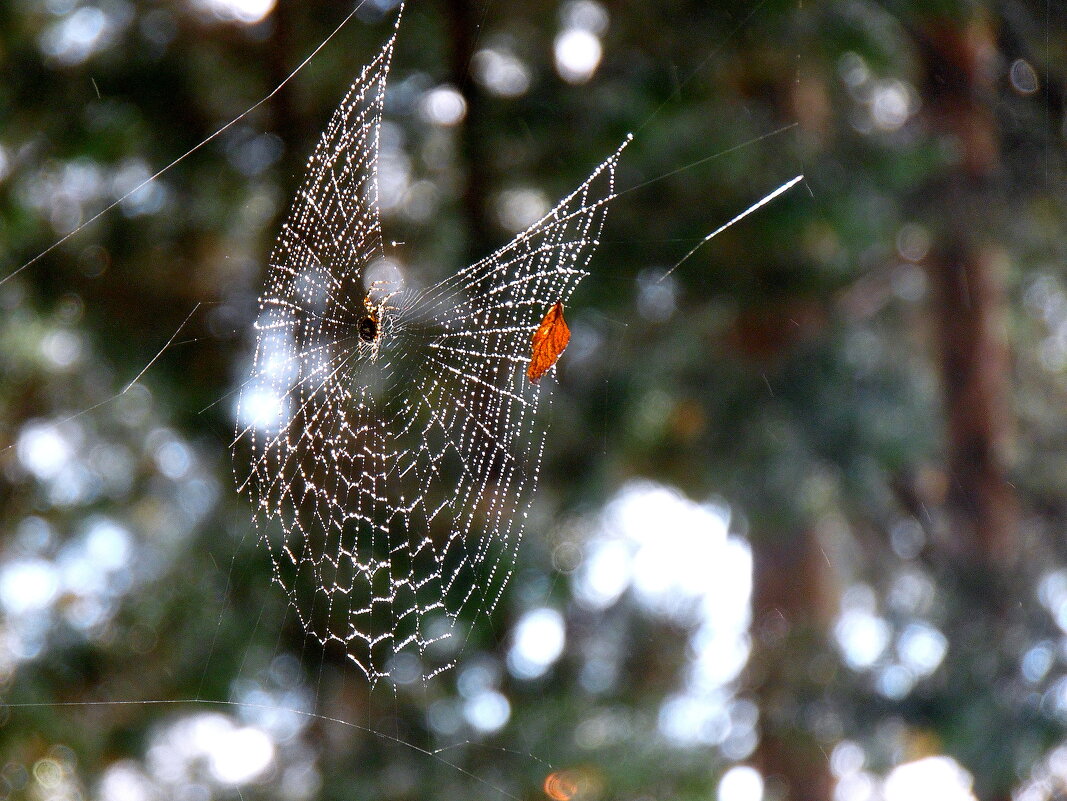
{"points": [[369, 325]]}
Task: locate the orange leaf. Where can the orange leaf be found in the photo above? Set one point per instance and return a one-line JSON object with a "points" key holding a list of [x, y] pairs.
{"points": [[549, 341]]}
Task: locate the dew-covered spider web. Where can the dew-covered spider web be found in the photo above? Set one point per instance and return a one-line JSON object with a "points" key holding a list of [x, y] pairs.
{"points": [[390, 440]]}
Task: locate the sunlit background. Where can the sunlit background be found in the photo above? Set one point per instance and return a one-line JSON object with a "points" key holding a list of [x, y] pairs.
{"points": [[801, 526]]}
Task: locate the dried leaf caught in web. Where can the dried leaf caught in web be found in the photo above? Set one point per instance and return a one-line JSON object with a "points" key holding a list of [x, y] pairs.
{"points": [[549, 341]]}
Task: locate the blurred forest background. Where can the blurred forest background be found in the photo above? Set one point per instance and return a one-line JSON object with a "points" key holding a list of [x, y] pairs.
{"points": [[801, 526]]}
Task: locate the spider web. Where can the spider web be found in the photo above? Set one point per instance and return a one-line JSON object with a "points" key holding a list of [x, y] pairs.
{"points": [[391, 479]]}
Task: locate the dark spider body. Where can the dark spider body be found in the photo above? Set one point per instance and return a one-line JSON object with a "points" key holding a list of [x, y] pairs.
{"points": [[367, 328]]}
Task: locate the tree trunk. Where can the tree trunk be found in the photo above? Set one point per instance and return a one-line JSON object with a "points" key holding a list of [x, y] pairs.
{"points": [[792, 610], [968, 300]]}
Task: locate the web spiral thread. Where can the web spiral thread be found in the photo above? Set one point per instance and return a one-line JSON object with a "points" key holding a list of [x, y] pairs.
{"points": [[392, 475]]}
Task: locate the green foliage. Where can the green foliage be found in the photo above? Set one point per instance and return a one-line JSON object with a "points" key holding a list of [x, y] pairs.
{"points": [[792, 369]]}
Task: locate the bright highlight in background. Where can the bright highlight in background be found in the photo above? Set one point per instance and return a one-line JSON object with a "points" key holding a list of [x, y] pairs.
{"points": [[247, 12], [444, 105], [263, 409], [501, 72], [487, 711], [680, 561], [233, 754], [933, 778], [43, 449], [936, 778], [539, 641], [578, 49], [741, 783], [27, 585], [578, 55], [862, 637]]}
